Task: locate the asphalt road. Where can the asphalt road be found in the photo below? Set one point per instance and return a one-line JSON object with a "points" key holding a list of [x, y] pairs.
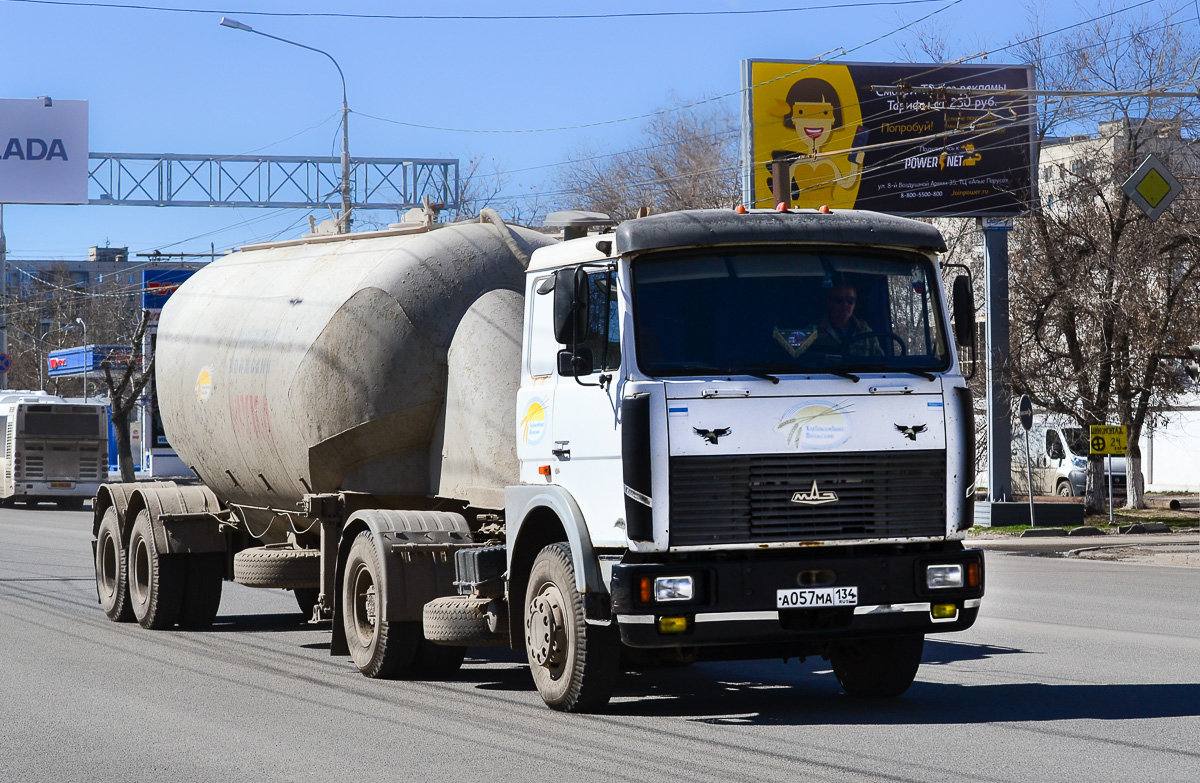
{"points": [[1076, 670]]}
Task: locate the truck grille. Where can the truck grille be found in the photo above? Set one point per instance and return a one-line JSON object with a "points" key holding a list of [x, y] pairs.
{"points": [[745, 499]]}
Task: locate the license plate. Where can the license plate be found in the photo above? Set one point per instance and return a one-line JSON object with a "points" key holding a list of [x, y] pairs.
{"points": [[816, 597], [60, 484]]}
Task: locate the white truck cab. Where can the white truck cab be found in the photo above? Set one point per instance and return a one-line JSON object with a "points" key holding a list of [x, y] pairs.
{"points": [[756, 473]]}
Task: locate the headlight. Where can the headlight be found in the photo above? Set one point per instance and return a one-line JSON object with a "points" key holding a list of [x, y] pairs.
{"points": [[943, 576], [673, 588], [1079, 462]]}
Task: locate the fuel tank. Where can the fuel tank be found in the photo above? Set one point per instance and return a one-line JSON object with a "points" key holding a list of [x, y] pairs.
{"points": [[385, 363]]}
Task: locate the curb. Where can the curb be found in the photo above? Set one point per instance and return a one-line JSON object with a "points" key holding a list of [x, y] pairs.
{"points": [[1042, 532]]}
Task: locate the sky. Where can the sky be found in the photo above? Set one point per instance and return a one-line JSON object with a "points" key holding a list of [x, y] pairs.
{"points": [[161, 81]]}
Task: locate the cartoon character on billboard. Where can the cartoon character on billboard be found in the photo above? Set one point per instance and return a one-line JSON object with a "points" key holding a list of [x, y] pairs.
{"points": [[813, 112]]}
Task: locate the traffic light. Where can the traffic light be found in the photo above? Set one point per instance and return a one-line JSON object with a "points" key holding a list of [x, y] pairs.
{"points": [[1192, 364]]}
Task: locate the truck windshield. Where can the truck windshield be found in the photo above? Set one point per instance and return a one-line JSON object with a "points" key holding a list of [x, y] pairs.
{"points": [[823, 310]]}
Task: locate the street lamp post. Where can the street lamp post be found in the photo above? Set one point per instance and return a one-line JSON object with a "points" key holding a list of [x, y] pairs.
{"points": [[88, 369], [345, 221]]}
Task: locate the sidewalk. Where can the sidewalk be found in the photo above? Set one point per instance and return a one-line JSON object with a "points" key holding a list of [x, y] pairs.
{"points": [[1177, 549]]}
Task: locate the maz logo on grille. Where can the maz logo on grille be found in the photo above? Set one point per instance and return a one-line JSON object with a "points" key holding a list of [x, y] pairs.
{"points": [[814, 497]]}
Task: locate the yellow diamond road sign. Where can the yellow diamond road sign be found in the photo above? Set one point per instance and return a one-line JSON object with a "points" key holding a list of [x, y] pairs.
{"points": [[1152, 187], [1107, 440]]}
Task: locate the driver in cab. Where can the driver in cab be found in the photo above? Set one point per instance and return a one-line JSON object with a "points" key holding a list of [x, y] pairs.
{"points": [[840, 332]]}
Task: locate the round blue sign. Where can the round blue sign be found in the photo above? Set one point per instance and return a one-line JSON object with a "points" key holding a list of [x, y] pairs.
{"points": [[4, 362]]}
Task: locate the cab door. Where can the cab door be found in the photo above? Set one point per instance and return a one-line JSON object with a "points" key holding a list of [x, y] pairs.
{"points": [[586, 433]]}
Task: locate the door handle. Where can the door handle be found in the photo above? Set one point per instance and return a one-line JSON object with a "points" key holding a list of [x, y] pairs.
{"points": [[562, 452]]}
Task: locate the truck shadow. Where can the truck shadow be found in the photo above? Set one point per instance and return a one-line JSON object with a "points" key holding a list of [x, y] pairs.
{"points": [[811, 701], [775, 693], [285, 621]]}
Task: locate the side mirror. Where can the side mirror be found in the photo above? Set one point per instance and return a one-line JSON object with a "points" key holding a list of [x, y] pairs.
{"points": [[963, 304], [1056, 451], [575, 364], [571, 306]]}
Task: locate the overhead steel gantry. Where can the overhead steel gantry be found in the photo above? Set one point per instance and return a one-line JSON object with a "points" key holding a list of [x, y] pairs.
{"points": [[169, 180]]}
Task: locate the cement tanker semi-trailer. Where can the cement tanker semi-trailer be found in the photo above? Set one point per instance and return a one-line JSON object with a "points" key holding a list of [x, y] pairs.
{"points": [[677, 440], [324, 389]]}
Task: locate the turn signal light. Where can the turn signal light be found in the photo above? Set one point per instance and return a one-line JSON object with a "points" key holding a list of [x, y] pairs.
{"points": [[646, 589], [672, 624], [944, 611], [972, 574], [544, 470]]}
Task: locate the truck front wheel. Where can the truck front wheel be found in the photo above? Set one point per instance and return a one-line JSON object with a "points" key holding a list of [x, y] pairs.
{"points": [[112, 573], [877, 668], [380, 649], [574, 665]]}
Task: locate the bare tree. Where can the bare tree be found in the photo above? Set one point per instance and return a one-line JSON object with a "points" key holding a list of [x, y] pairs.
{"points": [[684, 158], [124, 391], [1104, 300]]}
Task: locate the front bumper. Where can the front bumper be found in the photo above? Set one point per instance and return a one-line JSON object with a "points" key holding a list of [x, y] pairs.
{"points": [[735, 601]]}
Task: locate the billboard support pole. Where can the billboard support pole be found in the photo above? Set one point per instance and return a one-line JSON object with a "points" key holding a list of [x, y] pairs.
{"points": [[781, 176], [999, 378]]}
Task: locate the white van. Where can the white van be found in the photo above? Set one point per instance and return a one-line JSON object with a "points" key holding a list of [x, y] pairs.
{"points": [[1058, 450]]}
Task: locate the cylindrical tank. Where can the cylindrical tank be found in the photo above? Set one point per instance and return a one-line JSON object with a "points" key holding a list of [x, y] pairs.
{"points": [[322, 366]]}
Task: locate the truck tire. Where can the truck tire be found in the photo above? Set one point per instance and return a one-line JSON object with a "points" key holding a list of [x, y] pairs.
{"points": [[458, 621], [278, 566], [205, 572], [112, 572], [877, 668], [574, 665], [156, 580], [380, 649], [1065, 489]]}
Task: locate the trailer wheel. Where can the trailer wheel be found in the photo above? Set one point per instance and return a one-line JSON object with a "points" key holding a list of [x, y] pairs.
{"points": [[205, 573], [380, 649], [284, 567], [877, 668], [112, 572], [574, 665], [156, 580]]}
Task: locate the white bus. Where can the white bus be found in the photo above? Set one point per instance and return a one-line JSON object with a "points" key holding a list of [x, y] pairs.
{"points": [[54, 450]]}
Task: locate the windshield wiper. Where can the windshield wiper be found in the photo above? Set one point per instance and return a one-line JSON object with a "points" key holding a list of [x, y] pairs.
{"points": [[900, 371], [754, 373]]}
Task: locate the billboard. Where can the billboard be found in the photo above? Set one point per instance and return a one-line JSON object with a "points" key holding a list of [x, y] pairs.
{"points": [[159, 284], [848, 139], [85, 359], [43, 151]]}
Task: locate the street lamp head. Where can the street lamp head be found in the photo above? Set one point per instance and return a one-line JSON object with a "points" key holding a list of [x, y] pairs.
{"points": [[235, 24], [79, 321]]}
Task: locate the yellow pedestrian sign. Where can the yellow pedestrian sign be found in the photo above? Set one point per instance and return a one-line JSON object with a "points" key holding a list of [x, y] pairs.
{"points": [[1108, 440]]}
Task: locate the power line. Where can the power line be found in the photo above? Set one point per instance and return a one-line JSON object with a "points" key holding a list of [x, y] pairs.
{"points": [[480, 17]]}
